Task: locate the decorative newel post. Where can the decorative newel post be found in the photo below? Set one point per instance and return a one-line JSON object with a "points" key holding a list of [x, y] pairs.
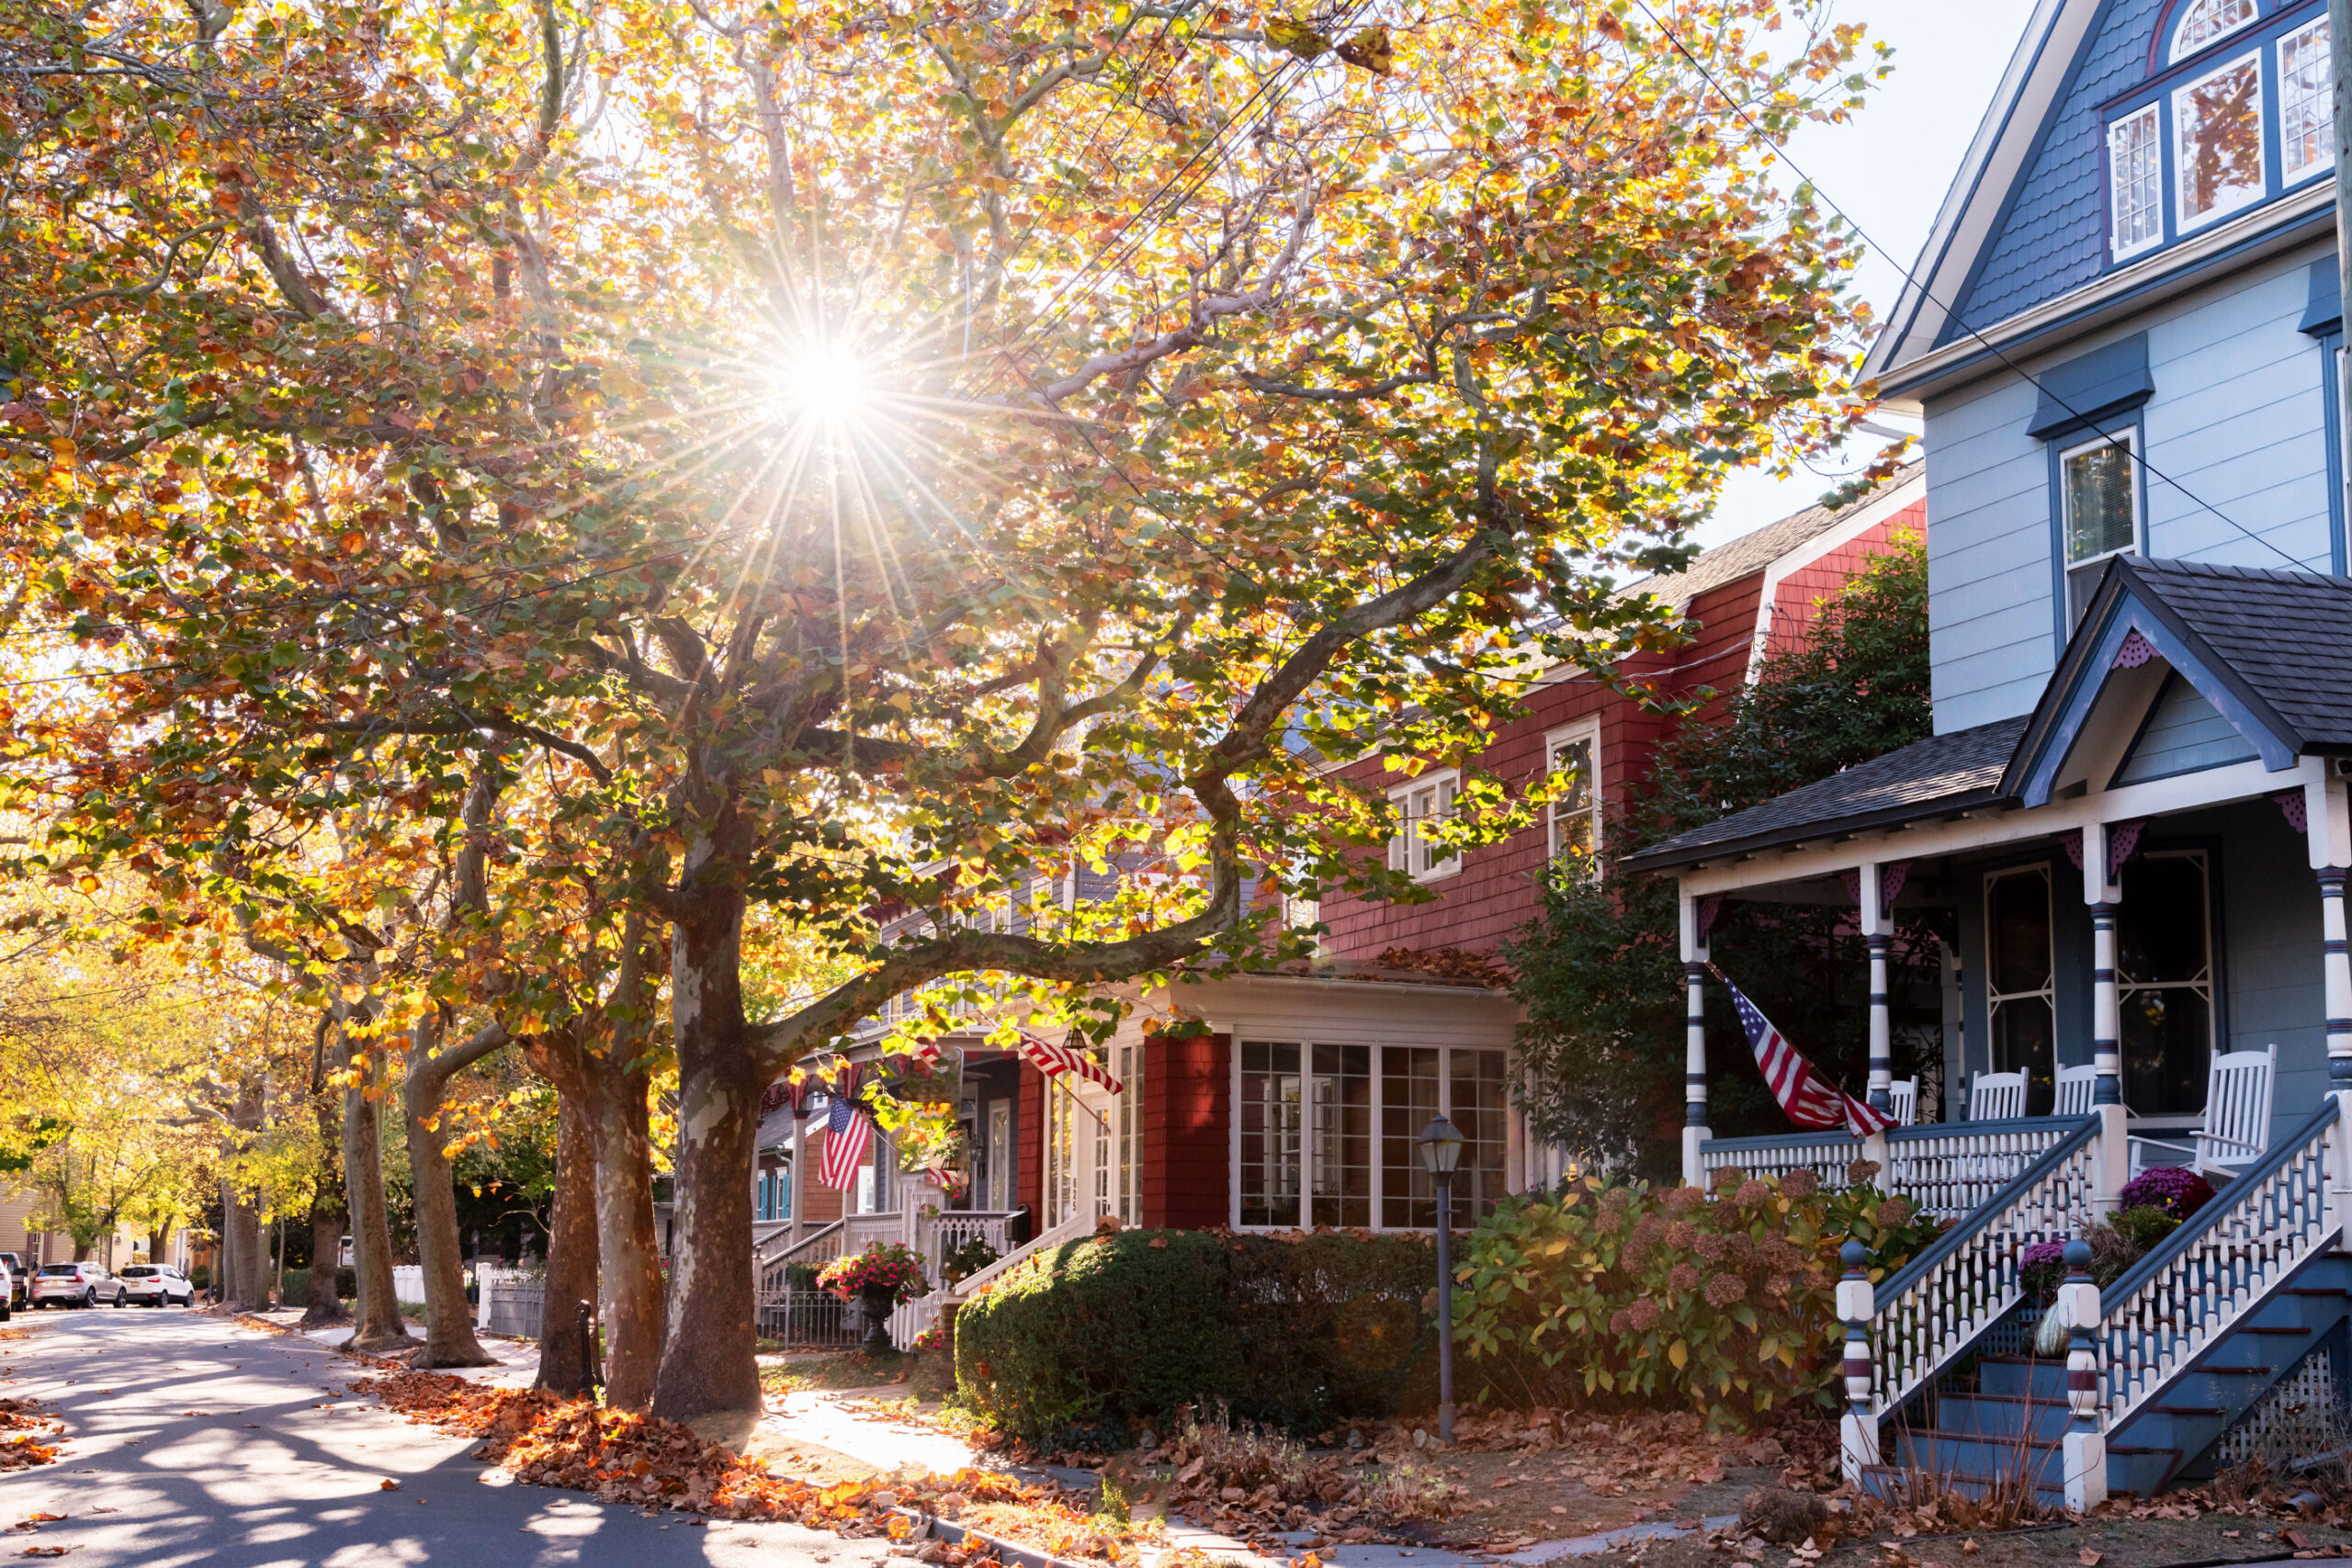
{"points": [[1858, 1433], [2322, 811], [2085, 1451]]}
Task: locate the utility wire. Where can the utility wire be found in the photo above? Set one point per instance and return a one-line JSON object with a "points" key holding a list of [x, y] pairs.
{"points": [[2134, 448]]}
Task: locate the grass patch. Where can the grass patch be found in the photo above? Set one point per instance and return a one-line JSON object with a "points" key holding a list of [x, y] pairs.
{"points": [[853, 1369]]}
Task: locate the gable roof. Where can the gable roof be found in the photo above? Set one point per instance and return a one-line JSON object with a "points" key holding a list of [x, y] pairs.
{"points": [[2266, 647], [1760, 547], [1940, 776], [2018, 257]]}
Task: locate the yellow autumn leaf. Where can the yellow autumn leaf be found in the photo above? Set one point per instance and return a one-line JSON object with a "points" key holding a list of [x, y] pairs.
{"points": [[1679, 1354]]}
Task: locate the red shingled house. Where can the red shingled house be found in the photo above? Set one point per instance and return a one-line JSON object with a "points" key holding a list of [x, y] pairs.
{"points": [[1300, 1102]]}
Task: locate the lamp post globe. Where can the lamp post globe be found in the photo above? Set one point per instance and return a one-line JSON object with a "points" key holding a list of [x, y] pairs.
{"points": [[1441, 1143]]}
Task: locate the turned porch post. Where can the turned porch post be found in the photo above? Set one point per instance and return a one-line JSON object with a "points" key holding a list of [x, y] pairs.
{"points": [[1694, 1080], [2103, 893], [2327, 830], [1878, 932]]}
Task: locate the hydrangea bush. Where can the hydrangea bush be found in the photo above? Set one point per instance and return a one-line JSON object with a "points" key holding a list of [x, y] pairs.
{"points": [[1610, 1293], [879, 1268]]}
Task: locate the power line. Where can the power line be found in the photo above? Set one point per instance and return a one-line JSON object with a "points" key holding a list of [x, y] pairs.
{"points": [[2138, 457]]}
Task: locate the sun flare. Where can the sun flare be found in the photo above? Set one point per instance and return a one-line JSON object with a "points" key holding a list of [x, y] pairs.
{"points": [[827, 382]]}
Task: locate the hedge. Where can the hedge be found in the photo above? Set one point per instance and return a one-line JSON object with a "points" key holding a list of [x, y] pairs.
{"points": [[1298, 1331], [298, 1286]]}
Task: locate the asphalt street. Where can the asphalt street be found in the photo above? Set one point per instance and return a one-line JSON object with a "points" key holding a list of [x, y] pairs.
{"points": [[192, 1441]]}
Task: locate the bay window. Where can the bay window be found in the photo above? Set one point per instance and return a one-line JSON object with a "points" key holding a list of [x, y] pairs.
{"points": [[1326, 1133]]}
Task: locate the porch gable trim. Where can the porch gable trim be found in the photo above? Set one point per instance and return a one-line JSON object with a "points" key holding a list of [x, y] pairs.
{"points": [[2116, 612]]}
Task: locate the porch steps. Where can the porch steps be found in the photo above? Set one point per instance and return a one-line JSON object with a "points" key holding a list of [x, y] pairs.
{"points": [[2011, 1426]]}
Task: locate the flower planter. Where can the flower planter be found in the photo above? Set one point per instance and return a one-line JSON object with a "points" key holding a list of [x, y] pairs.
{"points": [[876, 1303]]}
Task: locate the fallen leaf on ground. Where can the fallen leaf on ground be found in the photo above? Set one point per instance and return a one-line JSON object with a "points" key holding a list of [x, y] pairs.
{"points": [[2087, 1558]]}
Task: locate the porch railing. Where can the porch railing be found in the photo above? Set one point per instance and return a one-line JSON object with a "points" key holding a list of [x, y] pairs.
{"points": [[1934, 1308], [809, 1319], [2218, 1266], [1947, 1168]]}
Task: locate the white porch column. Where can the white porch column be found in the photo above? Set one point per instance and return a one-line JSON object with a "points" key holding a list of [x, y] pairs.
{"points": [[1694, 1092], [2327, 829], [799, 1177], [2102, 894], [1878, 932]]}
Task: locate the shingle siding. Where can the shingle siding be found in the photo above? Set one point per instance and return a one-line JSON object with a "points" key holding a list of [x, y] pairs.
{"points": [[2054, 237]]}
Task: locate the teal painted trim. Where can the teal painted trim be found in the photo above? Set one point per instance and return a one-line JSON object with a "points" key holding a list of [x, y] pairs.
{"points": [[2331, 397]]}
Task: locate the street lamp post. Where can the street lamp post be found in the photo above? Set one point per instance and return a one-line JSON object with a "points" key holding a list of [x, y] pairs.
{"points": [[1441, 1151]]}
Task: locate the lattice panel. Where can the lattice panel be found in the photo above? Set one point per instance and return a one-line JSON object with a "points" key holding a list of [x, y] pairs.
{"points": [[2294, 1420]]}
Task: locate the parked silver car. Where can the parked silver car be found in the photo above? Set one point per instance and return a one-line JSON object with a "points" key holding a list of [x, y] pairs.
{"points": [[156, 1284], [77, 1285]]}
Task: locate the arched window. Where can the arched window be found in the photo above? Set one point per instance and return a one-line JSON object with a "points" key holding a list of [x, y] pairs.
{"points": [[2204, 20]]}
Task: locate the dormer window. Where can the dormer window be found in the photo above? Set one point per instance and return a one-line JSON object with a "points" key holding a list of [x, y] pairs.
{"points": [[2207, 20], [2243, 113]]}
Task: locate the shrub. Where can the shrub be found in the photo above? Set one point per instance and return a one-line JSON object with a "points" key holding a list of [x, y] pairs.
{"points": [[1617, 1294], [1133, 1325], [298, 1285], [2178, 1192]]}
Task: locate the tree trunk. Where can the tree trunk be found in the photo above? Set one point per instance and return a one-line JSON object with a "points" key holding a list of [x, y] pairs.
{"points": [[159, 1237], [379, 1327], [626, 1242], [325, 1305], [708, 1361], [249, 1285], [571, 1248], [449, 1322]]}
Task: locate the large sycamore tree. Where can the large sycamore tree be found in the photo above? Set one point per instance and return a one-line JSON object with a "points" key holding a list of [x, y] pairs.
{"points": [[872, 457]]}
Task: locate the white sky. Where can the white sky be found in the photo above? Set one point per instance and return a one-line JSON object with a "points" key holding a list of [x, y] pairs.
{"points": [[1888, 169]]}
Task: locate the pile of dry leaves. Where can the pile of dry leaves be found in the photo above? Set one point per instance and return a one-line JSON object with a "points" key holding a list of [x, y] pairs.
{"points": [[621, 1457], [24, 1449]]}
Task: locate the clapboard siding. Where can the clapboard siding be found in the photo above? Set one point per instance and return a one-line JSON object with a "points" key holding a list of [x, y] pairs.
{"points": [[1988, 553], [2185, 734]]}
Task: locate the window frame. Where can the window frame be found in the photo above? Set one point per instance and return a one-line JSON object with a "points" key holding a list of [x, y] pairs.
{"points": [[2207, 983], [2124, 429], [1404, 848], [2128, 437], [2182, 223], [2278, 130], [1585, 729], [2047, 994], [2176, 50], [2115, 249], [1309, 1132]]}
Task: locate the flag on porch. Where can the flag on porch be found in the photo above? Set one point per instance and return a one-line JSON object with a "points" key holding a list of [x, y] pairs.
{"points": [[1055, 1060], [1812, 1101], [849, 1132]]}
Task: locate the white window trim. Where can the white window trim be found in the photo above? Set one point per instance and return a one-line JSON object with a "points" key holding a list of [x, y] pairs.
{"points": [[2128, 439], [1402, 848], [2116, 247], [1587, 729], [2177, 52], [1306, 1129], [2182, 222], [2326, 162]]}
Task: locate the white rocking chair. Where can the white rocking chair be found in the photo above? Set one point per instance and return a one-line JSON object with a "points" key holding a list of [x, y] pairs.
{"points": [[2074, 1086], [2237, 1118], [1996, 1097], [1903, 1099]]}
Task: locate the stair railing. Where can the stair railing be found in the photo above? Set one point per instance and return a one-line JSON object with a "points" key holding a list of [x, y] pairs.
{"points": [[1950, 1168], [1938, 1304], [2199, 1282]]}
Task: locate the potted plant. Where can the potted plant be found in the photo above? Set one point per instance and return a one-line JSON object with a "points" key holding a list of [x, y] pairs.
{"points": [[877, 1279]]}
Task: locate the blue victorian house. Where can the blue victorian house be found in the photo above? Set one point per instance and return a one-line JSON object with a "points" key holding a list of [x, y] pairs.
{"points": [[2122, 338]]}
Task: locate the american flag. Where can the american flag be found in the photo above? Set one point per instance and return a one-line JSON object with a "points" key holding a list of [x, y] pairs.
{"points": [[848, 1134], [1811, 1101], [1055, 1060]]}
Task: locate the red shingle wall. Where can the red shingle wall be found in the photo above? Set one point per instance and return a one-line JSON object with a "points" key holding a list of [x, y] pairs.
{"points": [[824, 1205], [1796, 599], [1029, 1167], [1187, 1123]]}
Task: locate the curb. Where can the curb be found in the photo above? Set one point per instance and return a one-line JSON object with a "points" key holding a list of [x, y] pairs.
{"points": [[934, 1527]]}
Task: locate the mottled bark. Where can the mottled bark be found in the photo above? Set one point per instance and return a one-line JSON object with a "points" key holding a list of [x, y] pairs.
{"points": [[448, 1321], [571, 1248], [709, 1357], [625, 1243], [380, 1327], [325, 1306], [249, 1277]]}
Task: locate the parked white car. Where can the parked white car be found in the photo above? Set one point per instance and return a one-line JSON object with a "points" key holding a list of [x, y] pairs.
{"points": [[76, 1285], [156, 1284]]}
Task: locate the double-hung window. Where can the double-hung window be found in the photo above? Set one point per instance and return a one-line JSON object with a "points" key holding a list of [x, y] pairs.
{"points": [[1427, 801], [2098, 490], [2306, 103], [1573, 756], [2135, 162]]}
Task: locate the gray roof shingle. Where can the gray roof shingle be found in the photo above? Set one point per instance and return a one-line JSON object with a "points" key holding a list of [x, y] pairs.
{"points": [[1939, 774], [2284, 637], [1753, 551]]}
